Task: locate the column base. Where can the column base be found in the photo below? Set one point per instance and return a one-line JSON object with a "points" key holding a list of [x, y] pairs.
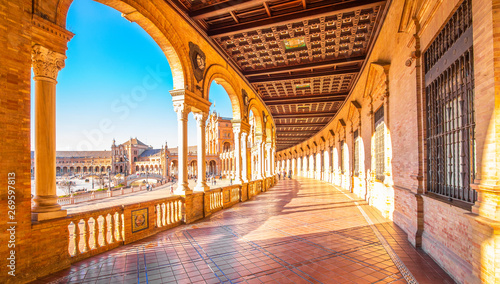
{"points": [[201, 188], [41, 216], [183, 190]]}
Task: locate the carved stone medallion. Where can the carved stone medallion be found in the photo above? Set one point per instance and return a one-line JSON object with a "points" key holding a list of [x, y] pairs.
{"points": [[198, 61]]}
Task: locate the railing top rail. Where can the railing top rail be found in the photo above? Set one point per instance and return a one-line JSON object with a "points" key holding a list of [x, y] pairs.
{"points": [[118, 208]]}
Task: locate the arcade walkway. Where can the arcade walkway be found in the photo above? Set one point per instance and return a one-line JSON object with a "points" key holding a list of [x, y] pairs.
{"points": [[301, 231]]}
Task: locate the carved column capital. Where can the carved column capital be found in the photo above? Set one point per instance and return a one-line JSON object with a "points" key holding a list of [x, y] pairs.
{"points": [[200, 118], [268, 146], [182, 110], [46, 63], [236, 129]]}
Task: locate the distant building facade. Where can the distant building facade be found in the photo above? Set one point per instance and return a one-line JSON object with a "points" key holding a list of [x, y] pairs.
{"points": [[134, 156]]}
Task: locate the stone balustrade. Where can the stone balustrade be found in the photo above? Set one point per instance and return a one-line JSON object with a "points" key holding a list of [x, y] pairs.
{"points": [[215, 199], [168, 212], [81, 235], [96, 195], [95, 231]]}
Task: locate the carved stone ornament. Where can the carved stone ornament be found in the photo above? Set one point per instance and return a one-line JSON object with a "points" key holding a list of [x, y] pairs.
{"points": [[245, 97], [46, 63], [200, 118], [246, 101], [264, 117], [198, 60], [181, 109]]}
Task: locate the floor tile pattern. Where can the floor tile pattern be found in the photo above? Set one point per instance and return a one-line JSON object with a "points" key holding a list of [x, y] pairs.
{"points": [[301, 231]]}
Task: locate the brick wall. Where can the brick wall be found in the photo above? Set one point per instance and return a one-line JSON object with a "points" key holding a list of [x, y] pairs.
{"points": [[15, 58], [460, 241], [448, 237]]}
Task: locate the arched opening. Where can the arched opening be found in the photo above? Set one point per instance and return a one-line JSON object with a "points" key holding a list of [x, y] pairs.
{"points": [[220, 136], [120, 72]]}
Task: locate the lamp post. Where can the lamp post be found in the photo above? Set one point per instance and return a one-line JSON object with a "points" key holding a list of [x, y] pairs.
{"points": [[109, 179], [92, 173], [126, 163], [167, 165]]}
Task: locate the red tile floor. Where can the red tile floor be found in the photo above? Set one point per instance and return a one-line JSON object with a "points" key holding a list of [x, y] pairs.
{"points": [[300, 231]]}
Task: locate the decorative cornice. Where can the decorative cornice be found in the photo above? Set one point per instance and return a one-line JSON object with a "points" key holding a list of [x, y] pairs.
{"points": [[46, 63], [45, 27]]}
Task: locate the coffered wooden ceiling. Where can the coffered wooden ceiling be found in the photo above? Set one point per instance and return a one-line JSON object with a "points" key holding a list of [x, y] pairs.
{"points": [[302, 56]]}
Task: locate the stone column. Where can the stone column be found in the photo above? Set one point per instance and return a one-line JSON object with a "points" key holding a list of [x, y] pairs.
{"points": [[182, 111], [237, 153], [268, 159], [46, 65], [201, 119], [259, 159], [273, 161], [287, 167], [244, 161]]}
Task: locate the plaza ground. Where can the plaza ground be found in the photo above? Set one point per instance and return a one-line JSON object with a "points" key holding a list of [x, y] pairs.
{"points": [[300, 231]]}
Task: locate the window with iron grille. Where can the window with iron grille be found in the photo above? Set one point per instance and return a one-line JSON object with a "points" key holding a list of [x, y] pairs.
{"points": [[342, 157], [449, 81], [379, 144], [356, 154]]}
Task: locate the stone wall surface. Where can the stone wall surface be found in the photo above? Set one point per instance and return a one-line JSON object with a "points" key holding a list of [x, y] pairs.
{"points": [[462, 240]]}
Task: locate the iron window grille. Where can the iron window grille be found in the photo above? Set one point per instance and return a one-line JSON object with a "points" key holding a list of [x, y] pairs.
{"points": [[449, 79], [379, 144]]}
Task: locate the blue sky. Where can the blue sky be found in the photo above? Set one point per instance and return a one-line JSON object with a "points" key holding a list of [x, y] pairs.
{"points": [[116, 84]]}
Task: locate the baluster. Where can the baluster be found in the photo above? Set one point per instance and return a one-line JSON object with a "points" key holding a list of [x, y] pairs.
{"points": [[180, 210], [103, 230], [167, 213], [122, 217], [158, 216], [72, 239], [172, 215], [163, 211], [85, 235], [176, 211], [78, 232], [161, 215], [111, 229], [119, 225], [92, 234]]}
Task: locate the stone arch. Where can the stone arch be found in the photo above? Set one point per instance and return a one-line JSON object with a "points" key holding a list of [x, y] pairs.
{"points": [[147, 15], [258, 118], [222, 77], [377, 83], [227, 146]]}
